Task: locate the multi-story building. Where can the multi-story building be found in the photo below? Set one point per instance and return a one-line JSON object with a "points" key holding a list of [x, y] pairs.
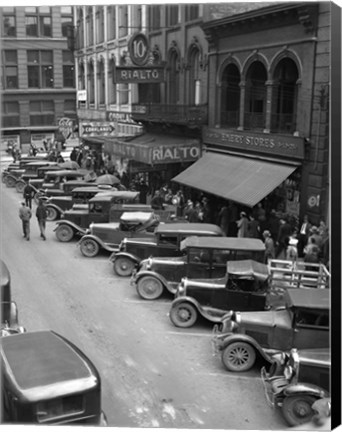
{"points": [[37, 71]]}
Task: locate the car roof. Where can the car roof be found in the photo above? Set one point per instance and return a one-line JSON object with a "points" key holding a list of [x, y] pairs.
{"points": [[313, 298], [115, 194], [40, 162], [93, 188], [64, 172], [248, 268], [136, 216], [232, 243], [37, 361], [189, 228]]}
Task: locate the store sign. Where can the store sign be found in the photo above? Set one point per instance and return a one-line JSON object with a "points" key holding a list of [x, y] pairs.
{"points": [[65, 127], [275, 145], [82, 95], [97, 128], [139, 75], [138, 48], [157, 154]]}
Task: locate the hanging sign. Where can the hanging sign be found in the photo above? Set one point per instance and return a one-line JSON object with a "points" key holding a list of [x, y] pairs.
{"points": [[138, 48], [139, 75]]}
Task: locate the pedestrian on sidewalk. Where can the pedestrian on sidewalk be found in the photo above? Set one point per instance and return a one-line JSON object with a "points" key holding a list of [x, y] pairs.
{"points": [[28, 194], [25, 215], [41, 214]]}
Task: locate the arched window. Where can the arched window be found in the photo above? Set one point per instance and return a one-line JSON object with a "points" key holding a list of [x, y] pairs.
{"points": [[255, 102], [100, 82], [284, 106], [111, 85], [173, 78], [81, 77], [230, 96], [194, 77], [91, 84]]}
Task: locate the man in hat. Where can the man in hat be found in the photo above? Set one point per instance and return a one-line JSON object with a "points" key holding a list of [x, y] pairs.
{"points": [[242, 225], [41, 214], [303, 235], [28, 194], [314, 233], [269, 246], [25, 215]]}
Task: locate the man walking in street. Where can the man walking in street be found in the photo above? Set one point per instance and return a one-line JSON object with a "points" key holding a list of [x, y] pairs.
{"points": [[25, 216], [41, 214], [28, 194]]}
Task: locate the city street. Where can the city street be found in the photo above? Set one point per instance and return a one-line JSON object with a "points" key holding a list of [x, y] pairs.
{"points": [[153, 374]]}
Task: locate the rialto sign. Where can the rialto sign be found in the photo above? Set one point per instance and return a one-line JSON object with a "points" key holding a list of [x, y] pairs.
{"points": [[142, 71]]}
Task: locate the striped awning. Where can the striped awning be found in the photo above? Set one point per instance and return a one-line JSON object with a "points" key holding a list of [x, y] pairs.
{"points": [[243, 180]]}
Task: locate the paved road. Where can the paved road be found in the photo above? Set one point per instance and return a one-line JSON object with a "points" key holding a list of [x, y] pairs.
{"points": [[154, 375]]}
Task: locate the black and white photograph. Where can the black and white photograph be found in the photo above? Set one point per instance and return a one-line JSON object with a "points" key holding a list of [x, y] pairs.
{"points": [[170, 215]]}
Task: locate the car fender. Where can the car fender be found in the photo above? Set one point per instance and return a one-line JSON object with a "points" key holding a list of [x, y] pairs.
{"points": [[233, 337], [76, 228], [205, 312], [20, 180], [56, 207], [158, 276], [102, 244], [9, 175], [116, 255], [307, 389]]}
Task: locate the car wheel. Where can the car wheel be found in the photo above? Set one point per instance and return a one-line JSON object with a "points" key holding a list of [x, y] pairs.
{"points": [[89, 248], [297, 409], [10, 182], [149, 288], [123, 266], [19, 186], [238, 357], [183, 315], [64, 233], [52, 213]]}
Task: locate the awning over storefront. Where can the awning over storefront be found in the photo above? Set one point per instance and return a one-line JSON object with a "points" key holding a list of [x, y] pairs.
{"points": [[243, 180]]}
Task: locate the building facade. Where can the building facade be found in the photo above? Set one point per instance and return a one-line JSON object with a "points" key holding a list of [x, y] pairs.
{"points": [[268, 122], [38, 77]]}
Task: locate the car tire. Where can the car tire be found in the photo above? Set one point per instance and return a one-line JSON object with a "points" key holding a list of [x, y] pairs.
{"points": [[20, 186], [183, 315], [64, 233], [89, 248], [238, 357], [123, 266], [149, 288], [297, 409], [10, 182], [52, 213]]}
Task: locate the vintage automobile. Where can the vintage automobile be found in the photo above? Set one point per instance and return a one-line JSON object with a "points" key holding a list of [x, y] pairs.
{"points": [[47, 380], [29, 171], [57, 205], [76, 220], [18, 168], [108, 236], [296, 380], [165, 242], [203, 257], [301, 322], [65, 189], [245, 287]]}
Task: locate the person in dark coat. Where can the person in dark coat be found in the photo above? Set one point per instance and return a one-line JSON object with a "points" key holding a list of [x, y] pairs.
{"points": [[28, 194], [157, 201], [25, 215], [283, 238], [253, 227], [41, 214], [303, 235]]}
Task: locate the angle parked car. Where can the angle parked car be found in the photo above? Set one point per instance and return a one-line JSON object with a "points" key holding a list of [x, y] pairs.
{"points": [[165, 242], [108, 236], [245, 287], [76, 221], [296, 380], [203, 257], [302, 322], [29, 171], [47, 380]]}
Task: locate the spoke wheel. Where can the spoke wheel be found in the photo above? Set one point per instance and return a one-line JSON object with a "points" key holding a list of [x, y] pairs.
{"points": [[238, 357], [149, 288], [89, 248], [123, 266], [297, 409], [10, 182], [64, 233], [19, 186], [183, 315], [52, 213]]}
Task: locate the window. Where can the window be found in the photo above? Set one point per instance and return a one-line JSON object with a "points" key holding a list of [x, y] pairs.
{"points": [[123, 94], [123, 21], [194, 77], [80, 32], [111, 84], [68, 69], [255, 97], [70, 108], [191, 12], [91, 85], [81, 77], [38, 21], [173, 78], [101, 82], [10, 69], [99, 24], [40, 69], [168, 239], [230, 96], [10, 114], [8, 22], [154, 17], [42, 113], [111, 22], [172, 12], [90, 26], [66, 19]]}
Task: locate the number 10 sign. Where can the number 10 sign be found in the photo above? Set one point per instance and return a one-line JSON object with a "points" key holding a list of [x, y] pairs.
{"points": [[138, 49]]}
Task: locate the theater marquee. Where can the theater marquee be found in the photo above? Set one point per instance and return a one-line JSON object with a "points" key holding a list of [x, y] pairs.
{"points": [[139, 75]]}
